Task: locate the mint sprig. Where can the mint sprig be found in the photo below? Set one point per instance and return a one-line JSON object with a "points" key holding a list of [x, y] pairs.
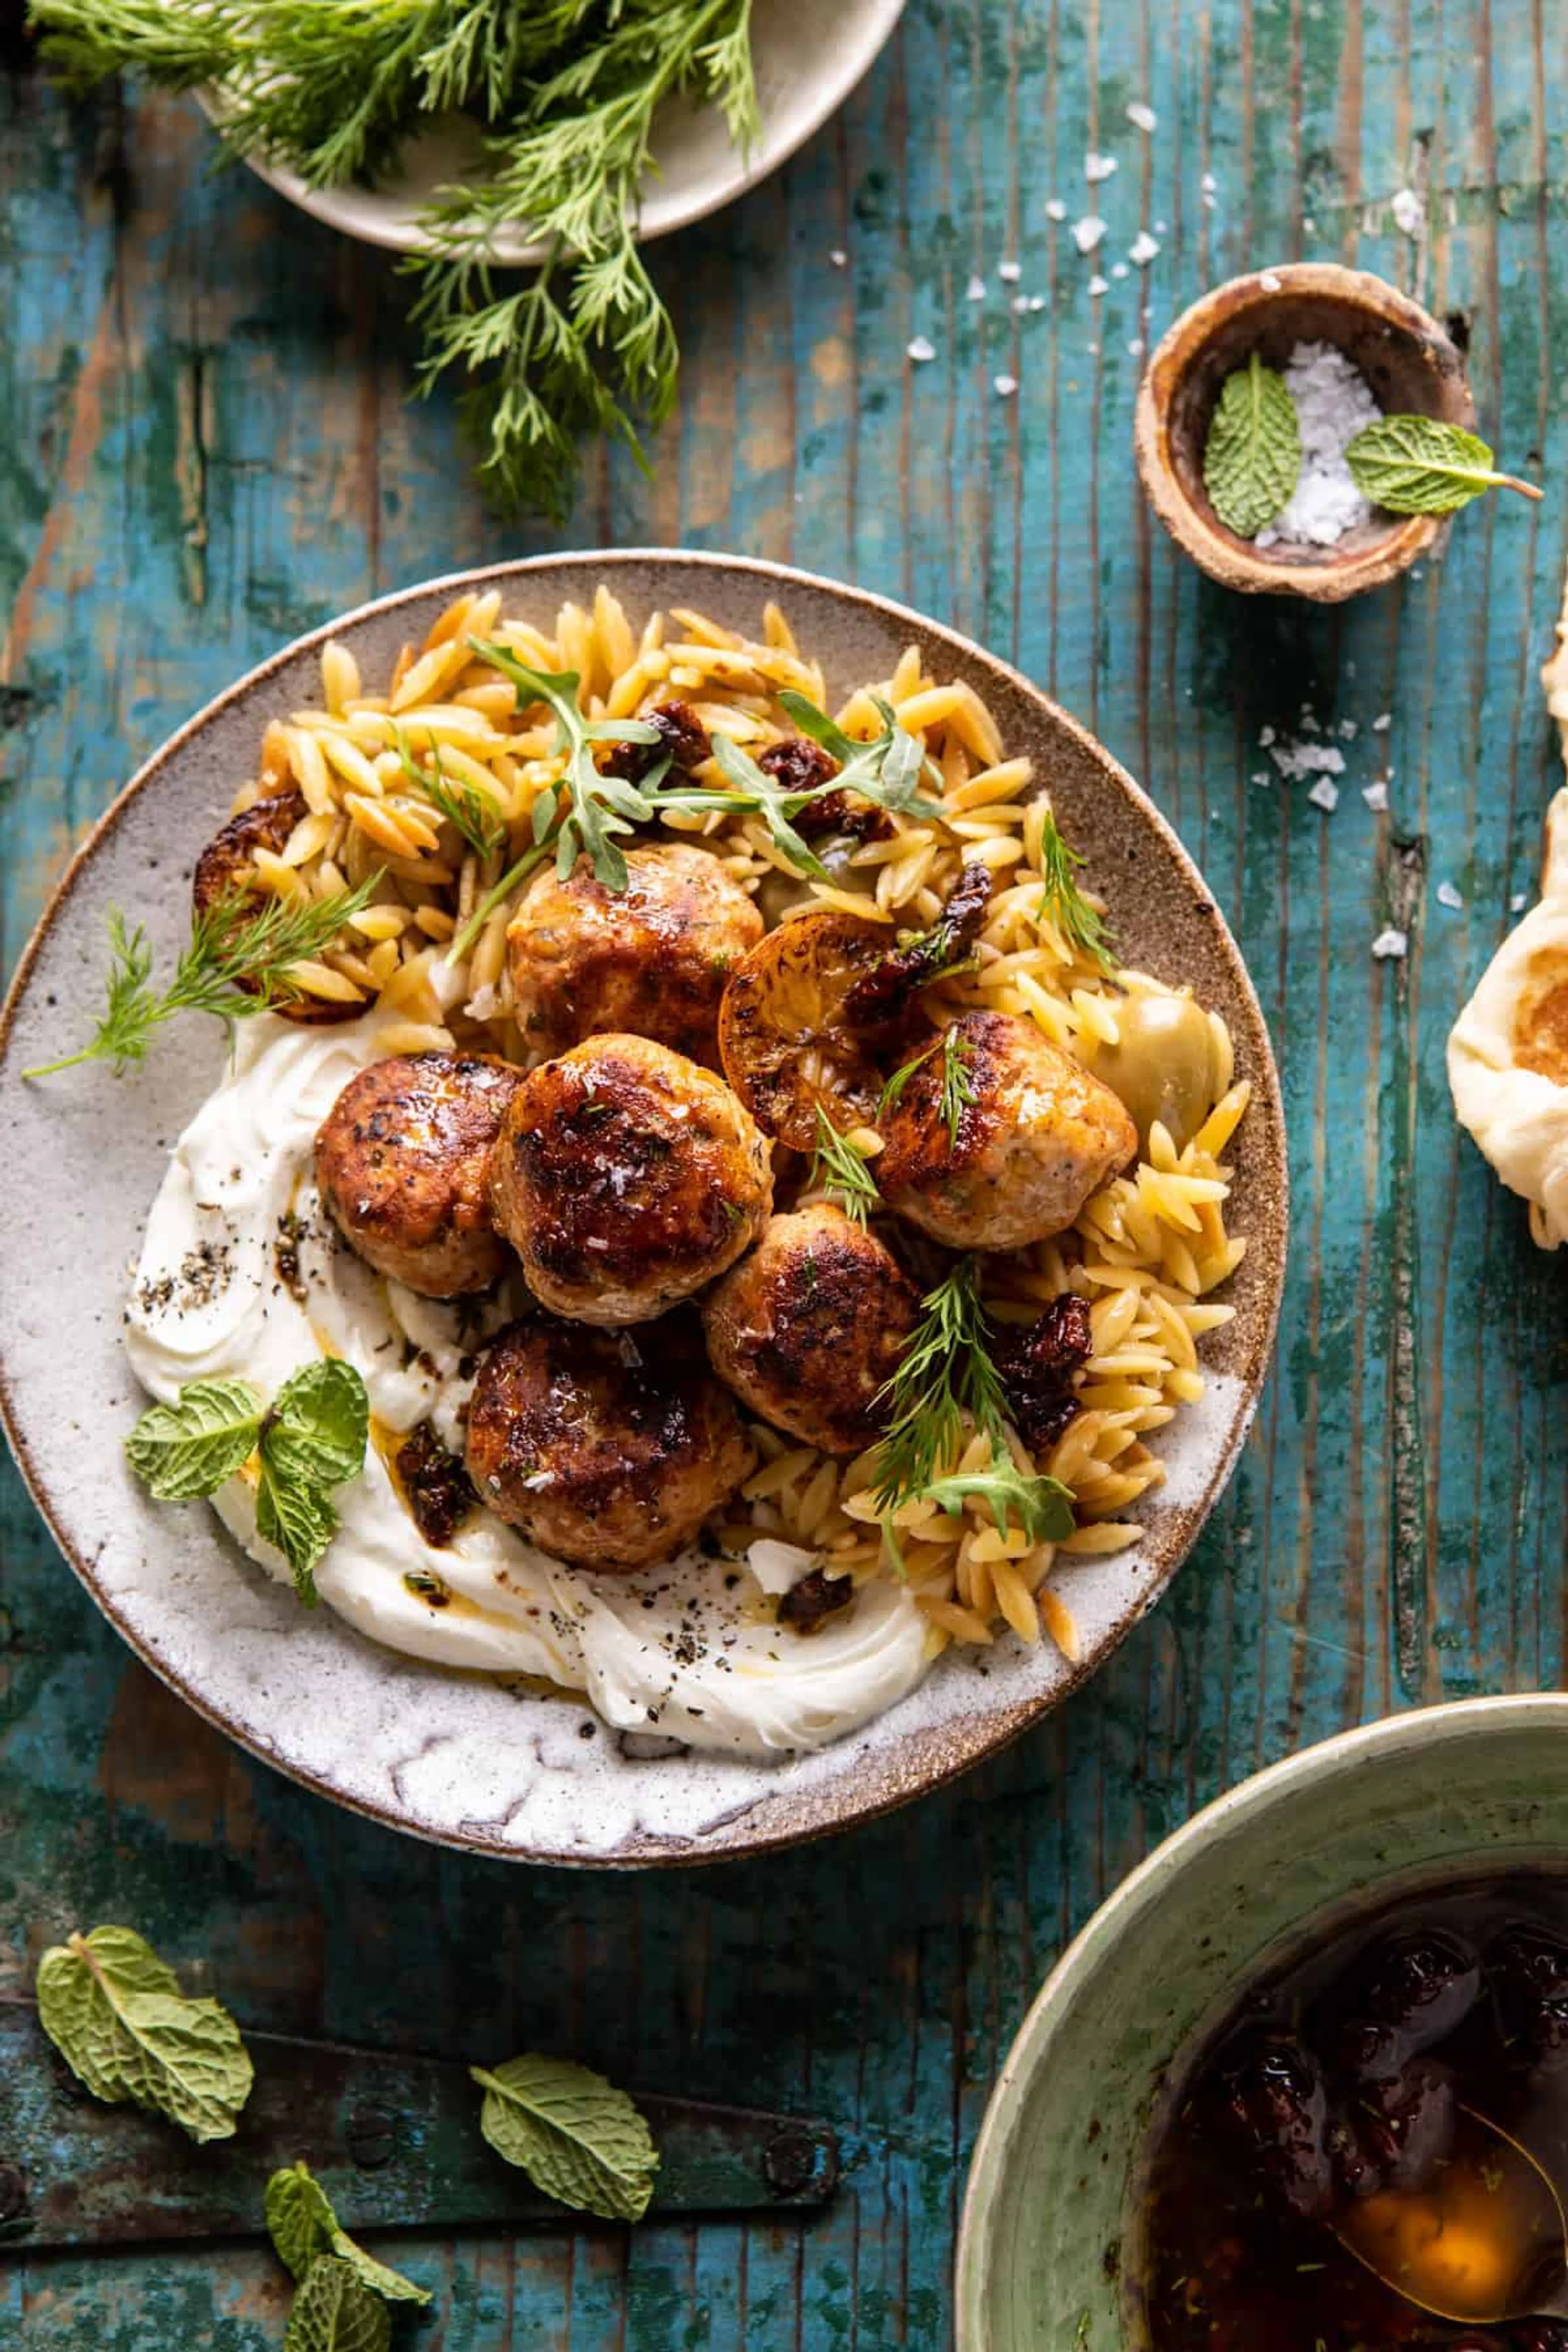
{"points": [[115, 2012], [305, 2229], [1419, 466], [311, 1439], [1252, 459], [334, 2311], [577, 2137]]}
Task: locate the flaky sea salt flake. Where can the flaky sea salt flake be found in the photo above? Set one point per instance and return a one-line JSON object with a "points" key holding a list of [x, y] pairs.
{"points": [[1142, 117], [1390, 942], [1375, 796], [1325, 794], [1004, 386], [1087, 232], [1142, 249], [1448, 897], [1055, 209], [838, 258], [1099, 285], [1009, 272], [1519, 902], [920, 349], [1383, 722], [1408, 210], [975, 291], [1135, 347], [1098, 167]]}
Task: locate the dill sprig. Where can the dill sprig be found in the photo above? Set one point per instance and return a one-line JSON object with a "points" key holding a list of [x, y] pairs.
{"points": [[1079, 921], [946, 1384], [842, 1174], [564, 97], [238, 961], [957, 1094], [473, 813]]}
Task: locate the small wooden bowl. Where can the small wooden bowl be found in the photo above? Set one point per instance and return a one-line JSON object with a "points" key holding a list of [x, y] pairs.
{"points": [[1409, 363]]}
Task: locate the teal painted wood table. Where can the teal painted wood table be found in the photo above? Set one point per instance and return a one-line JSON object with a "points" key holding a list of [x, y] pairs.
{"points": [[205, 447]]}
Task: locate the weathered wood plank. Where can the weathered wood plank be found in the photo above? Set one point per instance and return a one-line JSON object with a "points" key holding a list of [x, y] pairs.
{"points": [[205, 447]]}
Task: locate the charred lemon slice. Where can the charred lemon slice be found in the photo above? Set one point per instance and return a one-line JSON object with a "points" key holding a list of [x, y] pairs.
{"points": [[784, 1046]]}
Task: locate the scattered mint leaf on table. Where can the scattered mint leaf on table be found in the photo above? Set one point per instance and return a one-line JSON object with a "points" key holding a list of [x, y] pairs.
{"points": [[305, 2229], [183, 1450], [1252, 458], [311, 1439], [115, 2012], [333, 2311], [577, 2137], [1417, 464]]}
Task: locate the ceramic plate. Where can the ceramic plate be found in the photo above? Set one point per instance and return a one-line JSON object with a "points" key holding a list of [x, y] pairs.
{"points": [[808, 55], [458, 1758]]}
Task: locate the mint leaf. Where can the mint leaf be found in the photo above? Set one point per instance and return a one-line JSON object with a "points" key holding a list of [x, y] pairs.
{"points": [[115, 2012], [332, 2312], [1252, 458], [304, 2227], [317, 1429], [576, 2135], [299, 1520], [1417, 464], [190, 1448]]}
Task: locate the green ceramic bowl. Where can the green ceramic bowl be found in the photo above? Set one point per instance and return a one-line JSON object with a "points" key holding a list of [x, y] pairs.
{"points": [[1046, 2254]]}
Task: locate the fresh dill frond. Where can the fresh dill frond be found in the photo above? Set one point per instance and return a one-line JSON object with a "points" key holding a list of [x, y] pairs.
{"points": [[565, 97], [946, 1384], [842, 1172], [1079, 922], [957, 1088], [892, 1092], [238, 961], [473, 813], [958, 1093]]}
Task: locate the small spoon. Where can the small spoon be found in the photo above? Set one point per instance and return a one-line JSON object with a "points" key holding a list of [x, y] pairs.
{"points": [[1485, 2241]]}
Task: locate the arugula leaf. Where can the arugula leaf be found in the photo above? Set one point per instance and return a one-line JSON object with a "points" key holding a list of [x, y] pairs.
{"points": [[1417, 464], [1252, 458], [755, 789], [599, 807], [888, 770], [304, 2227], [115, 2012], [334, 2312], [1044, 1506], [577, 2137], [190, 1448]]}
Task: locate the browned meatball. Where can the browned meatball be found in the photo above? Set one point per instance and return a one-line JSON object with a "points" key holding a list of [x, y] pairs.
{"points": [[403, 1164], [606, 1449], [651, 959], [810, 1325], [625, 1178], [1034, 1136], [227, 868]]}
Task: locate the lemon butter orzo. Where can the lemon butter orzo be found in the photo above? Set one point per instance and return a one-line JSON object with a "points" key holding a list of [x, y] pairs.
{"points": [[436, 797]]}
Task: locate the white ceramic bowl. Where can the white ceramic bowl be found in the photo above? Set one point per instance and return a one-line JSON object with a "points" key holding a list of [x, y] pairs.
{"points": [[809, 55], [462, 1758]]}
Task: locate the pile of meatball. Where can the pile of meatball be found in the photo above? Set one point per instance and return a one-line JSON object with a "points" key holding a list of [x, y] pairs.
{"points": [[632, 1180]]}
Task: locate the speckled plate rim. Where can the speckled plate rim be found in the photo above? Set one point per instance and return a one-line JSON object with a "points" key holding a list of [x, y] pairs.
{"points": [[1133, 1906], [928, 1757]]}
